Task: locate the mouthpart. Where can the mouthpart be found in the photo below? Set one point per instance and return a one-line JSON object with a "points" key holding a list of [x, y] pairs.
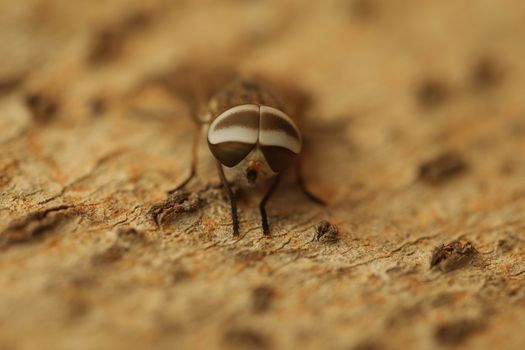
{"points": [[251, 175]]}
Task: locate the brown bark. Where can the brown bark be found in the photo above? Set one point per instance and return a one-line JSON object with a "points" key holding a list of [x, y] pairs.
{"points": [[416, 139]]}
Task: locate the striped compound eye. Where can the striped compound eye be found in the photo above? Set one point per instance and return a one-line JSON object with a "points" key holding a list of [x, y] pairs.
{"points": [[279, 138], [234, 133]]}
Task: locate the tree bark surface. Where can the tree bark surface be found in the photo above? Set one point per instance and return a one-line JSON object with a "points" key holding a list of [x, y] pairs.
{"points": [[415, 138]]}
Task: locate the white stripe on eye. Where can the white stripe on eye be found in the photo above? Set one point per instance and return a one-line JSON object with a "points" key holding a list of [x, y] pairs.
{"points": [[280, 139], [231, 111], [233, 134]]}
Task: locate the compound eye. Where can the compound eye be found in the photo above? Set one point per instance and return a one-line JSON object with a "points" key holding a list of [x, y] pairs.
{"points": [[278, 158], [234, 134], [279, 138]]}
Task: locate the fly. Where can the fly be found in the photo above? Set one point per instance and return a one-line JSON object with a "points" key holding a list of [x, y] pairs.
{"points": [[253, 138]]}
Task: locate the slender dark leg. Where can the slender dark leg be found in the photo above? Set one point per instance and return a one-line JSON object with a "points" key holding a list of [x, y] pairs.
{"points": [[193, 166], [262, 205], [233, 200], [300, 182]]}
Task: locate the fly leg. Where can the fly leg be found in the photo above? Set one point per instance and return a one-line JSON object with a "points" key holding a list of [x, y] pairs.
{"points": [[302, 186], [193, 165], [262, 205], [233, 200]]}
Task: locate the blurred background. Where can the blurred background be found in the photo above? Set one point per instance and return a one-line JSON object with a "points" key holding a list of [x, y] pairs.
{"points": [[415, 138]]}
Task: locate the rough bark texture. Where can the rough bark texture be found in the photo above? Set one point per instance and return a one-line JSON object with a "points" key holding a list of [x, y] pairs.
{"points": [[416, 140]]}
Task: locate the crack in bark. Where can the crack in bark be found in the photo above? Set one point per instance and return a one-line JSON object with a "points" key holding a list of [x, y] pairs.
{"points": [[519, 273], [101, 161], [413, 242], [33, 225], [177, 202]]}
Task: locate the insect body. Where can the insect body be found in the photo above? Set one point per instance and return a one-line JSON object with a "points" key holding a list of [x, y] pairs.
{"points": [[252, 135], [254, 138]]}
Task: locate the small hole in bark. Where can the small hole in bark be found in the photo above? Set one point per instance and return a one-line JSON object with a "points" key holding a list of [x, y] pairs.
{"points": [[9, 84], [486, 73], [177, 202], [130, 235], [507, 244], [108, 42], [106, 45], [78, 308], [97, 105], [453, 255], [244, 338], [367, 345], [109, 256], [42, 107], [442, 168], [262, 297], [34, 225], [326, 232], [137, 20], [179, 275], [457, 332], [432, 93], [363, 9], [249, 256]]}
